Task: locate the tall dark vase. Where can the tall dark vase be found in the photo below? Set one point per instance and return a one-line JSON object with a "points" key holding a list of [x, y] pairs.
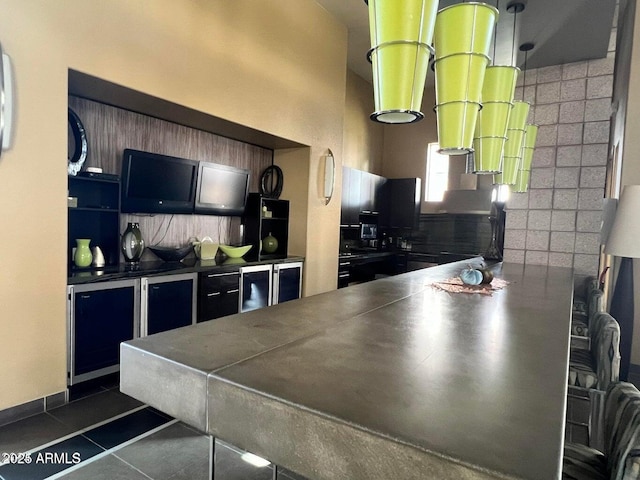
{"points": [[132, 243], [622, 311], [495, 248]]}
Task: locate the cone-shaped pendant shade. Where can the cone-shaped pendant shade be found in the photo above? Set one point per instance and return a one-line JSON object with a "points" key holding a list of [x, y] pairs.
{"points": [[462, 38], [491, 127], [522, 182], [513, 146], [529, 143], [401, 37]]}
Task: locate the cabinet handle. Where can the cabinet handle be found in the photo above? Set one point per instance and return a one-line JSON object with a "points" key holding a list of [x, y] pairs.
{"points": [[235, 290], [212, 275], [213, 294], [343, 275], [344, 264]]}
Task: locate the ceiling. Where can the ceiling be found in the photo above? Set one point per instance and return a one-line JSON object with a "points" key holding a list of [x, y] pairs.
{"points": [[562, 31]]}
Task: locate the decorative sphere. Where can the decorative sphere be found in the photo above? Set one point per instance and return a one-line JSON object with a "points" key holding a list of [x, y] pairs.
{"points": [[269, 244]]}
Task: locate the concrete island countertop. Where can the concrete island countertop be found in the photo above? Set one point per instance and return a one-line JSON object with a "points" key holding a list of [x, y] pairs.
{"points": [[394, 378]]}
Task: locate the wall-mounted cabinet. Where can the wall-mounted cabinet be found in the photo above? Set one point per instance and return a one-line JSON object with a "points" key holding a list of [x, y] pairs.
{"points": [[361, 192], [401, 208], [265, 217], [94, 213]]}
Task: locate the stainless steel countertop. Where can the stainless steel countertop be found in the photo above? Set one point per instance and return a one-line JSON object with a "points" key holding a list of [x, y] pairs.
{"points": [[387, 379]]}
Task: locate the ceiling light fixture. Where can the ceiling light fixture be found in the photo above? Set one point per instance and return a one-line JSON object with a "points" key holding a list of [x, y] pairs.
{"points": [[530, 137], [490, 135], [401, 36], [512, 152], [462, 40]]}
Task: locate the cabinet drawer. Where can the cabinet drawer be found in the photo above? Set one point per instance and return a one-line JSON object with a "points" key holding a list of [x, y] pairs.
{"points": [[218, 304], [214, 282], [218, 295]]}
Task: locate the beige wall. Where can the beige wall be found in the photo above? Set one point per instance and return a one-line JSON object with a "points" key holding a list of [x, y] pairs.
{"points": [[363, 138], [278, 67]]}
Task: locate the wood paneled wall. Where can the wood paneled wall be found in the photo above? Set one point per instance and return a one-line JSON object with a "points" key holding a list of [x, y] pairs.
{"points": [[110, 130]]}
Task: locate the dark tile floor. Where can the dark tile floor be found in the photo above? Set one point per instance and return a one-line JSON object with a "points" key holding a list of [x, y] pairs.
{"points": [[108, 435]]}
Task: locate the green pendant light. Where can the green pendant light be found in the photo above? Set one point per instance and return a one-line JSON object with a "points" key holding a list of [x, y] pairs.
{"points": [[462, 38], [530, 136], [513, 145], [401, 36], [491, 127]]}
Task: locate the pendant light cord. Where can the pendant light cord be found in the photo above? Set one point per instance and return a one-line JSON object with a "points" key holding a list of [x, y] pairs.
{"points": [[495, 34]]}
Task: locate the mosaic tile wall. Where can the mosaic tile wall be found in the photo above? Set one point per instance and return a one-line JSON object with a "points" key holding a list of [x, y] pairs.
{"points": [[557, 223]]}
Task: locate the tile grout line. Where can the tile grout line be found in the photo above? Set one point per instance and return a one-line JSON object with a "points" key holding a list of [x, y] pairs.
{"points": [[113, 449], [81, 431]]}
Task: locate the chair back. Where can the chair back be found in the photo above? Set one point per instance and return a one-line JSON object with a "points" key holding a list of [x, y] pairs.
{"points": [[622, 431], [605, 349], [595, 303]]}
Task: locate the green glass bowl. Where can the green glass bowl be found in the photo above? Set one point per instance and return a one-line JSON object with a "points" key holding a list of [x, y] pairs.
{"points": [[235, 252]]}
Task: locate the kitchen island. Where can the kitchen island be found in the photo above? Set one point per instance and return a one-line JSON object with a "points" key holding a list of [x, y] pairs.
{"points": [[394, 378]]}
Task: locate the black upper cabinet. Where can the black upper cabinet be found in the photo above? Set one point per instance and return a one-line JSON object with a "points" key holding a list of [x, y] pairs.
{"points": [[397, 200], [401, 207], [361, 192]]}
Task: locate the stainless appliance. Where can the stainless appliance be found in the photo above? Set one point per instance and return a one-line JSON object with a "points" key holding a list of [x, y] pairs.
{"points": [[256, 287]]}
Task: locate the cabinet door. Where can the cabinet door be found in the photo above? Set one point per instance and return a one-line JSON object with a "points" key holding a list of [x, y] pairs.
{"points": [[100, 318], [218, 295], [255, 287], [169, 303], [354, 197], [366, 192], [287, 279], [346, 198]]}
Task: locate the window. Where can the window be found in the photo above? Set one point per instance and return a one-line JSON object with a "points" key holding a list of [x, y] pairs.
{"points": [[437, 174]]}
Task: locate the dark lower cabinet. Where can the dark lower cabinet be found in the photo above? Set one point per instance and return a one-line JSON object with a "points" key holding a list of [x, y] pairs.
{"points": [[218, 294], [255, 287], [168, 302], [99, 318], [287, 282]]}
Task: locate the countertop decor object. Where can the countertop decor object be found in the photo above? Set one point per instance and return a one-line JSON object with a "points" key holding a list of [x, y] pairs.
{"points": [[271, 182], [269, 244], [98, 257], [471, 276], [171, 254], [82, 257], [77, 144], [205, 249], [132, 243], [235, 252]]}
